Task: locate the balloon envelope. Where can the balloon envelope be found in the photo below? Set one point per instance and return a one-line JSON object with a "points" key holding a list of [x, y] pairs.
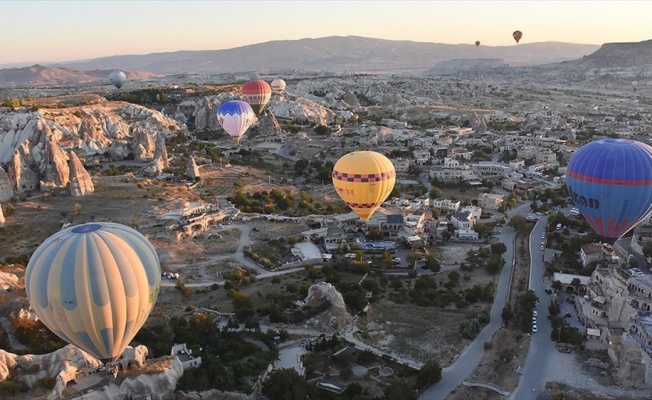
{"points": [[278, 85], [634, 83], [94, 286], [235, 117], [477, 43], [517, 35], [118, 78], [364, 179], [257, 93], [610, 182]]}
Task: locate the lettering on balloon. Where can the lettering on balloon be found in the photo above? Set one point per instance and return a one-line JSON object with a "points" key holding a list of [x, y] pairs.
{"points": [[348, 192], [581, 200]]}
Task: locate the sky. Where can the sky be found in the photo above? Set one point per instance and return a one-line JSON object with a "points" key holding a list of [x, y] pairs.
{"points": [[49, 31]]}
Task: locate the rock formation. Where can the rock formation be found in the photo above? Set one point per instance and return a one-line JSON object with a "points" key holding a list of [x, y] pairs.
{"points": [[160, 161], [268, 125], [336, 317], [80, 180], [206, 114], [2, 217], [143, 144], [192, 170], [630, 370], [6, 189], [56, 171], [8, 281], [180, 117], [21, 177], [39, 136]]}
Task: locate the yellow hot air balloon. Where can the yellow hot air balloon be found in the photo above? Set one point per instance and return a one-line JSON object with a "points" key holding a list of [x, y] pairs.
{"points": [[364, 179], [94, 286]]}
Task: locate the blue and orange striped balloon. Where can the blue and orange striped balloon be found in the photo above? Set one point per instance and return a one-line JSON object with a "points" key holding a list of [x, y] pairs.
{"points": [[94, 286], [610, 182]]}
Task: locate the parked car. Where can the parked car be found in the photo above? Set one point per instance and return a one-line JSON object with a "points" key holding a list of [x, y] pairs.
{"points": [[255, 229], [534, 329], [535, 313], [549, 291], [564, 350]]}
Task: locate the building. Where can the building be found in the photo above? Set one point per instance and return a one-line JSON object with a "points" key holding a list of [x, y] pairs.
{"points": [[490, 201], [567, 282], [590, 253], [392, 225], [185, 356], [446, 205], [401, 165]]}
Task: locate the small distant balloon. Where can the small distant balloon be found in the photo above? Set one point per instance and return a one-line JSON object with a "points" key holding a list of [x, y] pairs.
{"points": [[118, 78], [235, 117], [517, 35], [477, 43], [278, 86], [634, 83]]}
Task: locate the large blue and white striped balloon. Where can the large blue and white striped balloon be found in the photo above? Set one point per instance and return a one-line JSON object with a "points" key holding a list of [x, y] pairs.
{"points": [[235, 117], [94, 286]]}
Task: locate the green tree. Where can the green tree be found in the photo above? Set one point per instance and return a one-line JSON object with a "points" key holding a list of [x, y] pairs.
{"points": [[506, 314], [286, 384], [430, 373], [518, 222], [557, 285], [399, 389]]}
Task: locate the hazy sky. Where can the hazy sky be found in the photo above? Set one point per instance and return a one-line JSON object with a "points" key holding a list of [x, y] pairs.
{"points": [[72, 30]]}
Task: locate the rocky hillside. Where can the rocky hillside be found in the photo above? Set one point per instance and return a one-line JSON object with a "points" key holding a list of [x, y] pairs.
{"points": [[34, 144], [616, 55], [39, 75], [337, 53]]}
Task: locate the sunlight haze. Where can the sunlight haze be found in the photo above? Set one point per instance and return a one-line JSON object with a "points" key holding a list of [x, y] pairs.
{"points": [[63, 31]]}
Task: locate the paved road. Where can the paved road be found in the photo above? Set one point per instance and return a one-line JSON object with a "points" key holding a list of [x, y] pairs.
{"points": [[468, 360], [535, 372]]}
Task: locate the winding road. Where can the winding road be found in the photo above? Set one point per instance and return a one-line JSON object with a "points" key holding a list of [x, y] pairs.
{"points": [[455, 374]]}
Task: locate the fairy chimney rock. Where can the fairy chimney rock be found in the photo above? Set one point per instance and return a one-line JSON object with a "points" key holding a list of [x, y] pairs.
{"points": [[80, 180]]}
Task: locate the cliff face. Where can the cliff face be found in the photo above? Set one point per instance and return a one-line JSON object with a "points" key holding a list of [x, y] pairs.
{"points": [[6, 189], [617, 55]]}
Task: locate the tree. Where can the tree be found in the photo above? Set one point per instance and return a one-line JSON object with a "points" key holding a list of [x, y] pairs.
{"points": [[518, 222], [435, 192], [322, 130], [576, 284], [498, 248], [557, 285], [430, 373], [506, 314], [399, 389], [286, 384]]}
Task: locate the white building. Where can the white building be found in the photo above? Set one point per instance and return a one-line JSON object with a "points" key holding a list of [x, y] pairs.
{"points": [[185, 356]]}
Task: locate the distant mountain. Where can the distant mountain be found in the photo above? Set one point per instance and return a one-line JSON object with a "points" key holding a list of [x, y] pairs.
{"points": [[39, 75], [616, 55], [335, 54]]}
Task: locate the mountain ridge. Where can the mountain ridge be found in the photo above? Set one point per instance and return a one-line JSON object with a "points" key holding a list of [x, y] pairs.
{"points": [[334, 53]]}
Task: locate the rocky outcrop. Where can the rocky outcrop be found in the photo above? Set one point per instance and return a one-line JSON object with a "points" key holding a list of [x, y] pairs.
{"points": [[268, 125], [156, 385], [56, 172], [192, 170], [95, 129], [630, 361], [160, 161], [2, 217], [68, 362], [20, 175], [80, 180], [8, 281], [352, 100], [336, 318], [143, 144], [6, 189], [180, 117], [206, 113]]}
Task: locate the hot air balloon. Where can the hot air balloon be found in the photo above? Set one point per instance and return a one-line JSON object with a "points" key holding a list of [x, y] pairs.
{"points": [[477, 43], [634, 84], [257, 94], [118, 78], [610, 182], [364, 179], [278, 86], [517, 35], [235, 117], [94, 286]]}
